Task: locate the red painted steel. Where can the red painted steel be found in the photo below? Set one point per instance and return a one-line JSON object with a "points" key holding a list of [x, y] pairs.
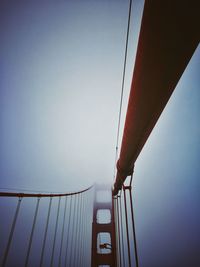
{"points": [[97, 228], [168, 38]]}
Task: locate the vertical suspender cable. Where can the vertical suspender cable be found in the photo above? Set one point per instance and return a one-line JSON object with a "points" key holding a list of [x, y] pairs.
{"points": [[45, 234], [55, 233], [83, 234], [134, 233], [72, 233], [122, 87], [127, 231], [116, 231], [121, 223], [76, 231], [119, 234], [32, 232], [63, 227], [88, 229], [68, 228], [80, 229], [11, 233], [80, 232], [86, 258]]}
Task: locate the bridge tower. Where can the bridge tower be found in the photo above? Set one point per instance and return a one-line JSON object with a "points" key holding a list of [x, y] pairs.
{"points": [[103, 234]]}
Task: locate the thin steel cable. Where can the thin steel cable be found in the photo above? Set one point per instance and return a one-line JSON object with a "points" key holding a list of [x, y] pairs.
{"points": [[88, 230], [85, 254], [116, 231], [76, 231], [24, 195], [134, 232], [127, 230], [45, 234], [27, 190], [122, 87], [119, 234], [55, 233], [32, 232], [68, 228], [72, 236], [83, 237], [84, 258], [131, 180], [121, 223], [80, 232], [11, 233], [12, 194], [83, 230], [62, 235]]}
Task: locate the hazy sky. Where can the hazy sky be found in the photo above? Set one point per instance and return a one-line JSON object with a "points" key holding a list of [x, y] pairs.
{"points": [[60, 80], [61, 71], [167, 183]]}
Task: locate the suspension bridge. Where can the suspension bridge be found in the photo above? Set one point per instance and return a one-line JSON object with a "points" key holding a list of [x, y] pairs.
{"points": [[96, 226]]}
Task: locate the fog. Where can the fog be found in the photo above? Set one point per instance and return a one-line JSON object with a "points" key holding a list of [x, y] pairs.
{"points": [[60, 83]]}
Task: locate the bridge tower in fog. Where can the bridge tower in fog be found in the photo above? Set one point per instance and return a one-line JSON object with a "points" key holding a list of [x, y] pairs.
{"points": [[103, 228]]}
